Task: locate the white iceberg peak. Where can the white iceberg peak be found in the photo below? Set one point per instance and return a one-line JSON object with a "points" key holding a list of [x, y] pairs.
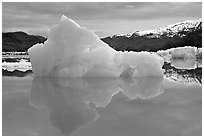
{"points": [[72, 51], [65, 19]]}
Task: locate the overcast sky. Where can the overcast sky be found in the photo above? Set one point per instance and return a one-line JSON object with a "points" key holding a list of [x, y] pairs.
{"points": [[102, 18]]}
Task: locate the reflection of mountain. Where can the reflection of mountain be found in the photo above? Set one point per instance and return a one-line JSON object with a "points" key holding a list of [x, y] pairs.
{"points": [[14, 59], [71, 103], [16, 73], [183, 75]]}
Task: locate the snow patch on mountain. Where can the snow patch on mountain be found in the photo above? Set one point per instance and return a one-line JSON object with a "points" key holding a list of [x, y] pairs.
{"points": [[168, 31]]}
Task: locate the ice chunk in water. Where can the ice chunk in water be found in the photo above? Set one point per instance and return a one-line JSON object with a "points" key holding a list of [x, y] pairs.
{"points": [[72, 51], [188, 63], [183, 52]]}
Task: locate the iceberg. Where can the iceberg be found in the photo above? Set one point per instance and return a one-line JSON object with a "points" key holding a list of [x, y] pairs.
{"points": [[186, 63], [188, 57], [183, 52], [186, 52], [72, 51]]}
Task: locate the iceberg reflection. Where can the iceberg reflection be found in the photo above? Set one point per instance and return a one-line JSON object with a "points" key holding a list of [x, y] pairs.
{"points": [[71, 103], [67, 111], [143, 88]]}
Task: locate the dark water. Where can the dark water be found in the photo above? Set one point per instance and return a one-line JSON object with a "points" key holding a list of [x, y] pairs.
{"points": [[139, 106], [183, 75]]}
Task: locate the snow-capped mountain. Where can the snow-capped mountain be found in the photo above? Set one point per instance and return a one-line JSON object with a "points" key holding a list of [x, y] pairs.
{"points": [[186, 33], [170, 30]]}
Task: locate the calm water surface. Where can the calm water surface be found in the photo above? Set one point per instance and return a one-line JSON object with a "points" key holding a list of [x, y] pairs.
{"points": [[142, 106]]}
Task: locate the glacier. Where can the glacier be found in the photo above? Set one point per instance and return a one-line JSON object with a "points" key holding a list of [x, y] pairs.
{"points": [[72, 51]]}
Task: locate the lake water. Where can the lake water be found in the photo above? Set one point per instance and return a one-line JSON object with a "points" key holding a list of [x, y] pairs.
{"points": [[143, 106], [152, 106]]}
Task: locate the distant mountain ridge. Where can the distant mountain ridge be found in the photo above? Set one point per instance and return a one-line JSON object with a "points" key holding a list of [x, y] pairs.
{"points": [[19, 41], [187, 33]]}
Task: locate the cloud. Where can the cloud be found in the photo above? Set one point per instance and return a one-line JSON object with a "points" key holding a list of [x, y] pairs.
{"points": [[101, 33], [36, 15], [111, 10]]}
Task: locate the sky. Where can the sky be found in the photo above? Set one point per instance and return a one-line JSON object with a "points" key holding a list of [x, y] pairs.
{"points": [[103, 18]]}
